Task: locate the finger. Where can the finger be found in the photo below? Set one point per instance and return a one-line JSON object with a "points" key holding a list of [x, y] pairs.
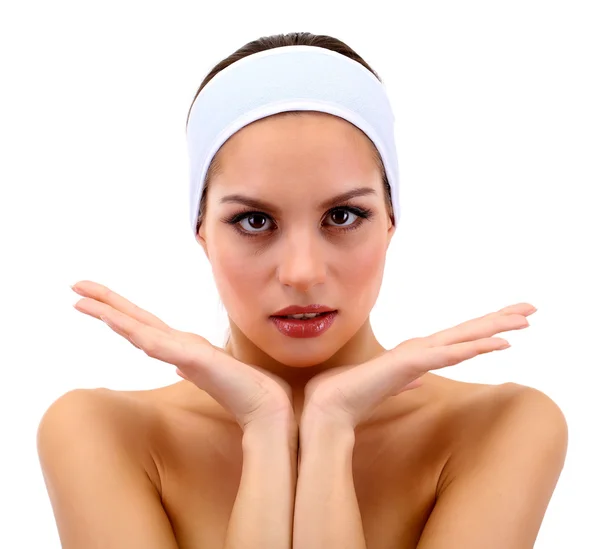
{"points": [[226, 384], [98, 310], [523, 308], [101, 293], [454, 335], [113, 327], [413, 385], [504, 320], [167, 347], [181, 374], [440, 357], [238, 387], [392, 371], [195, 357], [397, 371]]}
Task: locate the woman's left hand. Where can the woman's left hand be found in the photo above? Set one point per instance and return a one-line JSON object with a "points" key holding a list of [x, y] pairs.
{"points": [[348, 395]]}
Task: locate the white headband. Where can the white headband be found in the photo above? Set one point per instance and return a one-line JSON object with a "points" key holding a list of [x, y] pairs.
{"points": [[283, 79]]}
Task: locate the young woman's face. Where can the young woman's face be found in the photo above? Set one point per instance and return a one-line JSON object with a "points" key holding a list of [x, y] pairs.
{"points": [[277, 233]]}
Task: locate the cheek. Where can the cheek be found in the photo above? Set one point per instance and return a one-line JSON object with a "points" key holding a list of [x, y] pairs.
{"points": [[235, 281], [363, 278]]}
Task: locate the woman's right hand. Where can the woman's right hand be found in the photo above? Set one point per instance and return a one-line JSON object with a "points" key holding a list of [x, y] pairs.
{"points": [[252, 395]]}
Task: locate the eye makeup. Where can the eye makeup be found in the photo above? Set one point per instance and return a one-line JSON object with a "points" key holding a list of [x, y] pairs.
{"points": [[362, 214]]}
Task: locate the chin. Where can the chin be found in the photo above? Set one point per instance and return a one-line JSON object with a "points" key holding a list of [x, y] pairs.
{"points": [[301, 359], [302, 352], [298, 352]]}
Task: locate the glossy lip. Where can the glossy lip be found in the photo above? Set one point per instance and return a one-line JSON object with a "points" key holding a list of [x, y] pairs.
{"points": [[297, 310], [304, 328]]}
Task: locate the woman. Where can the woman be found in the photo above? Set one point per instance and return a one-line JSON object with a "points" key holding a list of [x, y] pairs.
{"points": [[301, 431]]}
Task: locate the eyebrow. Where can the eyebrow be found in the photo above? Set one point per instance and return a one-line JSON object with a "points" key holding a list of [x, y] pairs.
{"points": [[329, 203]]}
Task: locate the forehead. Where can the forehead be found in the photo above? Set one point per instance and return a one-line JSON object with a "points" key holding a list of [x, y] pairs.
{"points": [[302, 147]]}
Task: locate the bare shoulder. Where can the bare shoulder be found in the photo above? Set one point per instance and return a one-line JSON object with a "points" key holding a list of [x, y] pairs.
{"points": [[92, 448], [477, 407], [119, 415], [106, 406], [493, 419], [118, 410], [507, 448], [483, 397]]}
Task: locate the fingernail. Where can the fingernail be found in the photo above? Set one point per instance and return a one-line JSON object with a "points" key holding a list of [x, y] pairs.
{"points": [[505, 346]]}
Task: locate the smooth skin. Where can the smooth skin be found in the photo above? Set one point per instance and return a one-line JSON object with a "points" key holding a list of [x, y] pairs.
{"points": [[337, 401], [299, 403]]}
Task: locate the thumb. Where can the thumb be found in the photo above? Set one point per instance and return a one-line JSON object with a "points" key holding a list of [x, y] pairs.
{"points": [[181, 374], [412, 385]]}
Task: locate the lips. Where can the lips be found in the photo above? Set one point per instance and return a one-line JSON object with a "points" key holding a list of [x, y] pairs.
{"points": [[297, 310], [304, 328]]}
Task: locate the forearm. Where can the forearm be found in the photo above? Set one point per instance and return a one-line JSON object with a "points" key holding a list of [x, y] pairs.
{"points": [[326, 514], [263, 511]]}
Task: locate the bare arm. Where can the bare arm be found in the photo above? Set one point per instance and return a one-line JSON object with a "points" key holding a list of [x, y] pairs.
{"points": [[259, 401], [495, 493], [326, 514], [101, 496], [263, 510]]}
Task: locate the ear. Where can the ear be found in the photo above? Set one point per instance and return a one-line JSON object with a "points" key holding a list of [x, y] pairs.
{"points": [[391, 231], [200, 238]]}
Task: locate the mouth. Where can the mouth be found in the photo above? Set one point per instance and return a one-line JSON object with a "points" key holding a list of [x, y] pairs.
{"points": [[297, 311], [304, 316], [303, 325]]}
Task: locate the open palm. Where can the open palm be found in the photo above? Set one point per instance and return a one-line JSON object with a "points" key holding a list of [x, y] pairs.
{"points": [[350, 394]]}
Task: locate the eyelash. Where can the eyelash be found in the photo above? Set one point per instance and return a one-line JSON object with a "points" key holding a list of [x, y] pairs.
{"points": [[362, 214]]}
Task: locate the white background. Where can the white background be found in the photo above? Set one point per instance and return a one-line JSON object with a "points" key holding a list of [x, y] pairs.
{"points": [[498, 117]]}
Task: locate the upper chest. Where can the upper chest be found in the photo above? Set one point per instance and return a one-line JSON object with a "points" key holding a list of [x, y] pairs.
{"points": [[396, 468]]}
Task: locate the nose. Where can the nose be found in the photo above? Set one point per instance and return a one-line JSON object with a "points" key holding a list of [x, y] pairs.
{"points": [[302, 264]]}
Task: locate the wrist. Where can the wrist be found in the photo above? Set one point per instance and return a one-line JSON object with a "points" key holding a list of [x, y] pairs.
{"points": [[270, 432], [315, 419], [317, 426], [323, 439]]}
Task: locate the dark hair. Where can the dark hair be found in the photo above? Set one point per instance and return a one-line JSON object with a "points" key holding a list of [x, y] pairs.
{"points": [[278, 41]]}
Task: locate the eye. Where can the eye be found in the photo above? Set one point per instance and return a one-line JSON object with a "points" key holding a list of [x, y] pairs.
{"points": [[348, 218], [254, 222], [257, 224], [341, 216]]}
